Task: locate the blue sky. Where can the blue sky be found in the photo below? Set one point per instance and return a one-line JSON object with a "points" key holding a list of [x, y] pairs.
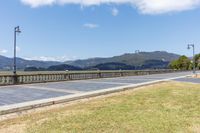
{"points": [[67, 29]]}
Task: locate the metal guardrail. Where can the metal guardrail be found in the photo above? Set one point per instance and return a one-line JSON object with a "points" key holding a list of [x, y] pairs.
{"points": [[28, 78]]}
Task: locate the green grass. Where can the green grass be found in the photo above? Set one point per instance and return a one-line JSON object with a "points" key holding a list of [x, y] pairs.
{"points": [[164, 108]]}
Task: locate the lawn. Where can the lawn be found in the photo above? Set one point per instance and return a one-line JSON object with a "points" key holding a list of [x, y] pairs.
{"points": [[162, 108]]}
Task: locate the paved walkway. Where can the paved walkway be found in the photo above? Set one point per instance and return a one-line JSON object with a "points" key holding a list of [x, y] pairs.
{"points": [[10, 95], [189, 80]]}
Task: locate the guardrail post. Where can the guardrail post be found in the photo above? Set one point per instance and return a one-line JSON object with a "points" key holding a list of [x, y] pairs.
{"points": [[99, 75], [14, 79], [121, 74], [69, 76]]}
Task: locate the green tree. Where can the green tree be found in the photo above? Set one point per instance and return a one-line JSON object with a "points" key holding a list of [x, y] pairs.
{"points": [[183, 63], [174, 65], [197, 61]]}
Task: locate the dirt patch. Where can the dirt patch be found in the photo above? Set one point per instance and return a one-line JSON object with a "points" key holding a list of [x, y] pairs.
{"points": [[195, 128], [196, 76]]}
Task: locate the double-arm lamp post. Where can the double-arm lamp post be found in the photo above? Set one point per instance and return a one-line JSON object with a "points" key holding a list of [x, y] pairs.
{"points": [[16, 30], [193, 48]]}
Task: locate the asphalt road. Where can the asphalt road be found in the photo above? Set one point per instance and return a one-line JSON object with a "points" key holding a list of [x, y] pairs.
{"points": [[23, 93]]}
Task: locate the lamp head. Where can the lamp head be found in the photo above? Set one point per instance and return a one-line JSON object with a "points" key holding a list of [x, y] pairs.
{"points": [[188, 46], [17, 29]]}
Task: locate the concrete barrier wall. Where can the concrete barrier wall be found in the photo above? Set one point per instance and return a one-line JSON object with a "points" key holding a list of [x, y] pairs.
{"points": [[28, 78]]}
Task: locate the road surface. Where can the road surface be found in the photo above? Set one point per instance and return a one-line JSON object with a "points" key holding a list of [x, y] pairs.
{"points": [[14, 94]]}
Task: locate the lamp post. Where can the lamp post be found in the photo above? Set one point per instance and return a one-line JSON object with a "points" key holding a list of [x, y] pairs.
{"points": [[16, 30], [189, 46]]}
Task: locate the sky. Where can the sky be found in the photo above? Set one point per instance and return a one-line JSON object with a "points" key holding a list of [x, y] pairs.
{"points": [[61, 30]]}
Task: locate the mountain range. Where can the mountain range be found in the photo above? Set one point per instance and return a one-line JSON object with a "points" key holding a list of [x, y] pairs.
{"points": [[7, 63], [140, 60], [133, 59]]}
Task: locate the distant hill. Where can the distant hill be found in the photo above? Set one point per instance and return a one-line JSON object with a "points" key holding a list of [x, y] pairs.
{"points": [[136, 59], [154, 64], [142, 60], [62, 67], [7, 63], [149, 64], [112, 66]]}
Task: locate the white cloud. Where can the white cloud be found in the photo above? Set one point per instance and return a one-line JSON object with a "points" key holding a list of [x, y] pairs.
{"points": [[50, 58], [164, 6], [144, 6], [37, 3], [90, 25], [115, 11], [3, 51]]}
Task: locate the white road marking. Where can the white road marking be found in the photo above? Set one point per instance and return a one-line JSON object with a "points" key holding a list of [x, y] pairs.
{"points": [[131, 79], [52, 89], [101, 82]]}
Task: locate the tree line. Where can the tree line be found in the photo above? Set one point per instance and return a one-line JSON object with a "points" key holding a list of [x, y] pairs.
{"points": [[185, 63]]}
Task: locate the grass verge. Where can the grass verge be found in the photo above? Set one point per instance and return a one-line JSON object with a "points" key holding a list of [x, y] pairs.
{"points": [[166, 107]]}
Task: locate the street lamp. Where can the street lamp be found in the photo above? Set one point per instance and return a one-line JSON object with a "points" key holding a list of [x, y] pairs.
{"points": [[16, 30], [189, 46]]}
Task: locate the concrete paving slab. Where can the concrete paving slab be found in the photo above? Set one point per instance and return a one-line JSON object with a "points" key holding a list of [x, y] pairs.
{"points": [[17, 94], [79, 86], [122, 81], [51, 89], [104, 82]]}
